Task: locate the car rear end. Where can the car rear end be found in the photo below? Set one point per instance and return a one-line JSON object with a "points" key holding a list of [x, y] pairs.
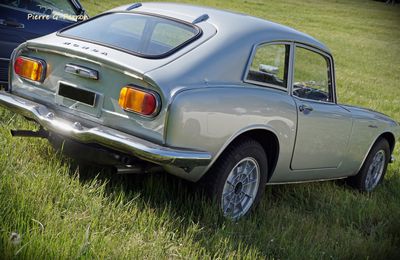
{"points": [[89, 85]]}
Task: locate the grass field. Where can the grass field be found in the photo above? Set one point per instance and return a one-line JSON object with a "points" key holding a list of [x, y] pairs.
{"points": [[59, 211]]}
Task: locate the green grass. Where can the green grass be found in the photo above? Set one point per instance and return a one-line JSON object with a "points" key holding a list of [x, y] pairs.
{"points": [[60, 211]]}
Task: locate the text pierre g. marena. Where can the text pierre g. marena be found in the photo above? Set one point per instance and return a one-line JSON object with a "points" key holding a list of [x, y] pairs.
{"points": [[32, 16]]}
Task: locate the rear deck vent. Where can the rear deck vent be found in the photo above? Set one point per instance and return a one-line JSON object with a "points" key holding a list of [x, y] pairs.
{"points": [[201, 18], [134, 6]]}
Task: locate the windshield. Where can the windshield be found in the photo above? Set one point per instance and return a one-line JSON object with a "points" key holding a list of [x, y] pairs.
{"points": [[141, 34]]}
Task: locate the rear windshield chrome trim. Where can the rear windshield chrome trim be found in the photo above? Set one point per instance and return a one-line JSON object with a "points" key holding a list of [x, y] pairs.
{"points": [[164, 55]]}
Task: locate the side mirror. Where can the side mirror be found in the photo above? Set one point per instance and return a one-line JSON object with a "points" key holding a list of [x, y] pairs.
{"points": [[268, 69]]}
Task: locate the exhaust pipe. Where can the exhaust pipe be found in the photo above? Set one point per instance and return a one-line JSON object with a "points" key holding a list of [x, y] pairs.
{"points": [[129, 169], [41, 133], [138, 169]]}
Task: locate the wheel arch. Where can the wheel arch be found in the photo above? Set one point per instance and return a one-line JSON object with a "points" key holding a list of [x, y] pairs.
{"points": [[265, 136], [359, 180], [390, 138], [385, 135], [269, 141]]}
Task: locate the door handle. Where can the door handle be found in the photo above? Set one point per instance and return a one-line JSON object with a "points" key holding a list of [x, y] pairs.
{"points": [[11, 23], [305, 108]]}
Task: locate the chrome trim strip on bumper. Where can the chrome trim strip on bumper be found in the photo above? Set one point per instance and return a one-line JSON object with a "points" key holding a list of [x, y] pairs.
{"points": [[108, 137]]}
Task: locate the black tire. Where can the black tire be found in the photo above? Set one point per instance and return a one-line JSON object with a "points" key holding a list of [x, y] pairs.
{"points": [[242, 151], [361, 181]]}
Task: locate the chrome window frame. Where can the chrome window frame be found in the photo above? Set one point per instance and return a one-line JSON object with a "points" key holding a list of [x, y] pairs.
{"points": [[289, 69], [331, 73]]}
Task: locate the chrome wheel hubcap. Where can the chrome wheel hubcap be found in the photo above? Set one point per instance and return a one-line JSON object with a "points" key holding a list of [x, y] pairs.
{"points": [[375, 170], [240, 188]]}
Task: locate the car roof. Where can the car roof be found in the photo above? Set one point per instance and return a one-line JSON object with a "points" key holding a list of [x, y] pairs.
{"points": [[229, 23]]}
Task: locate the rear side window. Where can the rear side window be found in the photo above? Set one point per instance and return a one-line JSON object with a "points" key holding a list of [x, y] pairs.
{"points": [[269, 66], [140, 34]]}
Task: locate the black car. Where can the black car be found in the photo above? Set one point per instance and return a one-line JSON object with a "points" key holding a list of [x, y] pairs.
{"points": [[21, 20]]}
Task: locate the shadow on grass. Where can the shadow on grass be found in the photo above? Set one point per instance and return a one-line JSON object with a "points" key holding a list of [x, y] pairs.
{"points": [[182, 200], [158, 190], [290, 219], [185, 201]]}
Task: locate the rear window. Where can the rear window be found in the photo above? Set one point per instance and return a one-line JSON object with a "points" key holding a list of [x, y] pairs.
{"points": [[141, 34]]}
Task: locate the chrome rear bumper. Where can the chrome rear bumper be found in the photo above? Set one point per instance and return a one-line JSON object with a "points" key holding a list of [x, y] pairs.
{"points": [[106, 136]]}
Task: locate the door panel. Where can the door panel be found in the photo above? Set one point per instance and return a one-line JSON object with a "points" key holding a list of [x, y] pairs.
{"points": [[323, 127], [323, 132]]}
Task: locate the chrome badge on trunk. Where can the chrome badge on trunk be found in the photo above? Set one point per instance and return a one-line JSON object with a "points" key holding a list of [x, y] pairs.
{"points": [[81, 71]]}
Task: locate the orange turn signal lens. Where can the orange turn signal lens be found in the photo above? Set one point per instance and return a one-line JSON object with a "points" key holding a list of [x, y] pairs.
{"points": [[28, 68], [138, 101]]}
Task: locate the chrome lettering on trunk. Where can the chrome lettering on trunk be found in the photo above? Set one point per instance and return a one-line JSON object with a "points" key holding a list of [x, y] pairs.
{"points": [[86, 48]]}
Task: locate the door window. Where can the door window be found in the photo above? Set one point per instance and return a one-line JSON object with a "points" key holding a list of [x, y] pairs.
{"points": [[312, 77], [269, 65]]}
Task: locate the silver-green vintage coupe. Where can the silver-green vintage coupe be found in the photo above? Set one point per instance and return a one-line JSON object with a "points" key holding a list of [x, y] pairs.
{"points": [[230, 100]]}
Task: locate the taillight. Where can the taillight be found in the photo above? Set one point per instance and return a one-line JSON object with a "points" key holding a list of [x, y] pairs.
{"points": [[29, 68], [138, 101]]}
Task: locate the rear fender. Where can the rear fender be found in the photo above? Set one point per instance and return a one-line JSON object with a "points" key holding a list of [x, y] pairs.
{"points": [[211, 118]]}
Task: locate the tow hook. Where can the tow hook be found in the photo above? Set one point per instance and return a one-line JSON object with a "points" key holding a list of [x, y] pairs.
{"points": [[41, 133]]}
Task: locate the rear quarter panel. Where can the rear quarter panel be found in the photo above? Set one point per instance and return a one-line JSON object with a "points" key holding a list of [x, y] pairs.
{"points": [[209, 119]]}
